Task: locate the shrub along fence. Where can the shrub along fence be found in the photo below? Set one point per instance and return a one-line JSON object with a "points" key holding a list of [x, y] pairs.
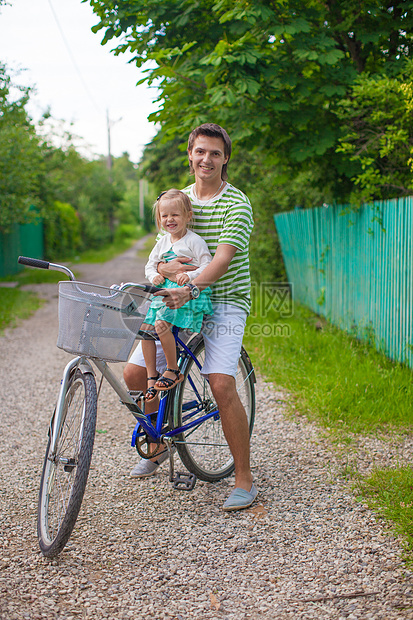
{"points": [[23, 239], [355, 268]]}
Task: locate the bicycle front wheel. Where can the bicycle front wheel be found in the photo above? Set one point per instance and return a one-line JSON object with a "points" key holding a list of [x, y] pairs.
{"points": [[65, 472], [203, 448]]}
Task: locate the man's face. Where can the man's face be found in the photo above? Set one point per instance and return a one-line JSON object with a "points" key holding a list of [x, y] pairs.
{"points": [[207, 158]]}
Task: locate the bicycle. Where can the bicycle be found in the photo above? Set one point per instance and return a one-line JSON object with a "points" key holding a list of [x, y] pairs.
{"points": [[99, 325]]}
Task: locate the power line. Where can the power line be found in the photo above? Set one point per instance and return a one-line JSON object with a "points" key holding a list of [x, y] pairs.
{"points": [[72, 58]]}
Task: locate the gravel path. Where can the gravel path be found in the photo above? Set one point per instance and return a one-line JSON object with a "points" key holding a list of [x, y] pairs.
{"points": [[141, 550]]}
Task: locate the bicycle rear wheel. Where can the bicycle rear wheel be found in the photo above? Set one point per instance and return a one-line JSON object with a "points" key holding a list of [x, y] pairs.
{"points": [[203, 449], [65, 473]]}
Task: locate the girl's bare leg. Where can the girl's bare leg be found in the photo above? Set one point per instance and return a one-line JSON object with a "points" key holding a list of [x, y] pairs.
{"points": [[163, 329], [149, 353]]}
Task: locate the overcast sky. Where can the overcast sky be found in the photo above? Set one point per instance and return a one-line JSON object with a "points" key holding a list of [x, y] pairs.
{"points": [[74, 75]]}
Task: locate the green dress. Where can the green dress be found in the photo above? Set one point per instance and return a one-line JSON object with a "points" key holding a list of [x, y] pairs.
{"points": [[189, 316]]}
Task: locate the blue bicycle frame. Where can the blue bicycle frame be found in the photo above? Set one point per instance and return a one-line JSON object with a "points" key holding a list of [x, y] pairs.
{"points": [[145, 427]]}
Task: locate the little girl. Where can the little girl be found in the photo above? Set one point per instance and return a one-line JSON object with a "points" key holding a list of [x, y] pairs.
{"points": [[173, 212]]}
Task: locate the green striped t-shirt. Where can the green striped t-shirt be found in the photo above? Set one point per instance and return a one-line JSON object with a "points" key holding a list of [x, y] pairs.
{"points": [[226, 219]]}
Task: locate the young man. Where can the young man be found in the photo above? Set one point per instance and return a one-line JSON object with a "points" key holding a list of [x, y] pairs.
{"points": [[222, 215]]}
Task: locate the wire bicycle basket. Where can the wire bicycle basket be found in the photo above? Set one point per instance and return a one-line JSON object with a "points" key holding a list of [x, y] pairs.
{"points": [[99, 322]]}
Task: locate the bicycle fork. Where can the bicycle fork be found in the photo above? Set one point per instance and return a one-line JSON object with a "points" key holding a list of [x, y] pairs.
{"points": [[57, 419]]}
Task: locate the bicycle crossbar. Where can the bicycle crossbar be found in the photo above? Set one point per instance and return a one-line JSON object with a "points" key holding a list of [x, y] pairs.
{"points": [[147, 427], [190, 405], [190, 425]]}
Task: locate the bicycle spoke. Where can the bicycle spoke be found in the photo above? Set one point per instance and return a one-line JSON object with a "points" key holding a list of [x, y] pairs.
{"points": [[65, 472], [203, 448]]}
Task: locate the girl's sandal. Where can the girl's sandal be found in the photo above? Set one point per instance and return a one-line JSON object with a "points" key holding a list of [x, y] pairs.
{"points": [[165, 383], [151, 392]]}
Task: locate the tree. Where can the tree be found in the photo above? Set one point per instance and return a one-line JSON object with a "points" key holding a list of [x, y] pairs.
{"points": [[165, 162], [274, 73], [20, 156], [80, 203], [378, 135], [85, 185]]}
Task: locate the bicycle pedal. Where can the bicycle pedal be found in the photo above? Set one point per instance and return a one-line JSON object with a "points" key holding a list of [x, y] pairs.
{"points": [[184, 482], [136, 395]]}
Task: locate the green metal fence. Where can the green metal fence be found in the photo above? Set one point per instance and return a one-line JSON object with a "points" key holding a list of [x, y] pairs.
{"points": [[355, 268], [23, 239]]}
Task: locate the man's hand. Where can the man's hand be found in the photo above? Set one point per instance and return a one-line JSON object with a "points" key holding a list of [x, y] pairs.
{"points": [[175, 298], [172, 268], [158, 279], [182, 278]]}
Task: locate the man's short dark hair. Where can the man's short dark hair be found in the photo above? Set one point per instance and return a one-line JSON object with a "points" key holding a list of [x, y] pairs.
{"points": [[212, 131]]}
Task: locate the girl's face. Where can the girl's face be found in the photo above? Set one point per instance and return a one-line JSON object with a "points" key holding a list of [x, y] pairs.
{"points": [[173, 219]]}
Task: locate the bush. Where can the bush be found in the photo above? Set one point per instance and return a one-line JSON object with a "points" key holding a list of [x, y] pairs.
{"points": [[128, 231], [95, 227], [62, 231]]}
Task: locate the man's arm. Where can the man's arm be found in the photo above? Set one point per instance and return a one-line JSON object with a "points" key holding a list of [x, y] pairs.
{"points": [[173, 267], [217, 267], [177, 297]]}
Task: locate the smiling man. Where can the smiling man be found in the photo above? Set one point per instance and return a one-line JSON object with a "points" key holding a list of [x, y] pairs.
{"points": [[222, 215]]}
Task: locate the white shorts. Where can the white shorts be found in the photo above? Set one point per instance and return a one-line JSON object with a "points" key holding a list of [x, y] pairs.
{"points": [[223, 333]]}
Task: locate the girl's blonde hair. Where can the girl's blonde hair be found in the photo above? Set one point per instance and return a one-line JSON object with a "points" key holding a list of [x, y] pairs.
{"points": [[180, 199]]}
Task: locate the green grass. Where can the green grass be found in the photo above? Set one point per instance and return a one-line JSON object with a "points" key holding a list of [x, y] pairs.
{"points": [[14, 305], [344, 383], [390, 493], [17, 304], [346, 386], [31, 275]]}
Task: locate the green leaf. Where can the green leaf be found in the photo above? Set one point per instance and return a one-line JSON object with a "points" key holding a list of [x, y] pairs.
{"points": [[331, 57]]}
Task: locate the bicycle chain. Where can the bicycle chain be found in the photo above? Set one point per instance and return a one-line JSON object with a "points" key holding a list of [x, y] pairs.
{"points": [[146, 448]]}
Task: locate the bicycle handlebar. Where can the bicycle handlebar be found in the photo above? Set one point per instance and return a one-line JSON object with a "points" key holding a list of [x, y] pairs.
{"points": [[148, 288], [44, 264], [33, 262]]}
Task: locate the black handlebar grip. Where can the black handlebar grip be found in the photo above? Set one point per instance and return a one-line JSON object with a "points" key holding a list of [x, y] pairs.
{"points": [[152, 289], [33, 262]]}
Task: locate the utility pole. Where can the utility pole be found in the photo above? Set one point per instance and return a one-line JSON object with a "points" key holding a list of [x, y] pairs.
{"points": [[109, 157], [142, 192], [109, 125]]}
